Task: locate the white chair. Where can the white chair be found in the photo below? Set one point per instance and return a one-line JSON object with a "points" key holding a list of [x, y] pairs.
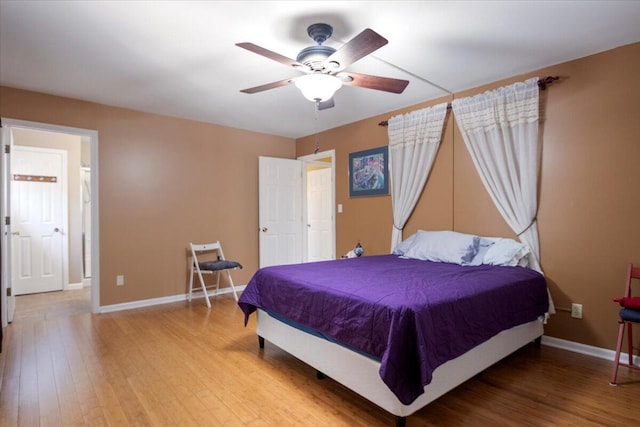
{"points": [[210, 267]]}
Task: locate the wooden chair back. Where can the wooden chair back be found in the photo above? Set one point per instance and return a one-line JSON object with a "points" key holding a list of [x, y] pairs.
{"points": [[632, 273]]}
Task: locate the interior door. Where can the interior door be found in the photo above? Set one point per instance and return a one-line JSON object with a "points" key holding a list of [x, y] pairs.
{"points": [[36, 214], [280, 206], [319, 214]]}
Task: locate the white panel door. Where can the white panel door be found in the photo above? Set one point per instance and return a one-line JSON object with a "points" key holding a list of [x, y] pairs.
{"points": [[36, 215], [280, 216], [319, 215]]}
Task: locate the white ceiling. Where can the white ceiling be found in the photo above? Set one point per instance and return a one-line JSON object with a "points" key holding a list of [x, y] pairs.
{"points": [[179, 58]]}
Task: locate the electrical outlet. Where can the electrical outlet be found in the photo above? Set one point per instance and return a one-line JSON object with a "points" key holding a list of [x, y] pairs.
{"points": [[120, 280], [576, 311]]}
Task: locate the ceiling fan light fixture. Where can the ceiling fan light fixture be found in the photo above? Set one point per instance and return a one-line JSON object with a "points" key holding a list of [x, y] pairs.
{"points": [[318, 87]]}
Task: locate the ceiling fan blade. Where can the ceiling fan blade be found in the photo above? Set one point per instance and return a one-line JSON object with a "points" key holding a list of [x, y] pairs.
{"points": [[326, 104], [267, 86], [385, 84], [355, 49], [271, 55]]}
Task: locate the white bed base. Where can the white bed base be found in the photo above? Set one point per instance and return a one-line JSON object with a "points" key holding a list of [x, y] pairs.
{"points": [[360, 373]]}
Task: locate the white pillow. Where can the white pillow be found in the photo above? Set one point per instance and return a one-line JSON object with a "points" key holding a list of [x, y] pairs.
{"points": [[506, 252], [483, 247], [443, 246], [403, 246]]}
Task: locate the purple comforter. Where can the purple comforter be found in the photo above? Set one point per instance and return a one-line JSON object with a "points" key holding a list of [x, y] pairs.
{"points": [[412, 315]]}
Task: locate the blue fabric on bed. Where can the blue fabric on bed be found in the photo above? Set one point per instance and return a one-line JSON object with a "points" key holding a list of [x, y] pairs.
{"points": [[319, 334], [414, 315], [219, 265]]}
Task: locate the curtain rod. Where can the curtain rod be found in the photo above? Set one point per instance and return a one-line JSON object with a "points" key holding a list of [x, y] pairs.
{"points": [[542, 84]]}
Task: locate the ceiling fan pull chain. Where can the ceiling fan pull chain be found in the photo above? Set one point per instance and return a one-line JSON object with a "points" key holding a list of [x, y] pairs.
{"points": [[317, 137]]}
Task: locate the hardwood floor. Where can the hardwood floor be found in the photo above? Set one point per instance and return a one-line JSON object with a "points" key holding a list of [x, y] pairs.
{"points": [[181, 364], [49, 305]]}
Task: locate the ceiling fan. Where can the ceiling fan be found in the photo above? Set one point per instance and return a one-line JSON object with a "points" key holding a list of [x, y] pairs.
{"points": [[323, 66]]}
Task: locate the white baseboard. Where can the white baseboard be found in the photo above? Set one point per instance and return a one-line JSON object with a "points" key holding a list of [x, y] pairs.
{"points": [[86, 282], [163, 300], [575, 347], [73, 286], [589, 350]]}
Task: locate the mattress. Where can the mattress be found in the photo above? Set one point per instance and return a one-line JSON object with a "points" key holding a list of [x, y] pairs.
{"points": [[409, 314]]}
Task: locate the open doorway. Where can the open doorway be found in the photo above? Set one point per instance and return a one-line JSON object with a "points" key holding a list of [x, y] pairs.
{"points": [[77, 229], [297, 209], [319, 206]]}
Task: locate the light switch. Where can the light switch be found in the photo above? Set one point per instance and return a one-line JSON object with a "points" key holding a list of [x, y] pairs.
{"points": [[339, 207]]}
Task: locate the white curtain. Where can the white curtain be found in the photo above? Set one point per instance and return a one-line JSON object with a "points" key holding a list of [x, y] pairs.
{"points": [[500, 130], [414, 139]]}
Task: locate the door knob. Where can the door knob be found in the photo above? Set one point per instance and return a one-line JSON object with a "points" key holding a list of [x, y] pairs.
{"points": [[15, 233], [264, 229], [56, 230]]}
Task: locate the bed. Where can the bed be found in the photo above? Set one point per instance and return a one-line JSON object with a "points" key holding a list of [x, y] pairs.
{"points": [[400, 331]]}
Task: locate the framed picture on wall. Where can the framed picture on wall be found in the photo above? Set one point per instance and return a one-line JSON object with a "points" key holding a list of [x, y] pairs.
{"points": [[369, 172]]}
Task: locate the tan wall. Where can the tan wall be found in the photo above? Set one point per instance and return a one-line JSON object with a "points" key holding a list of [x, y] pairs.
{"points": [[70, 144], [590, 180], [163, 183]]}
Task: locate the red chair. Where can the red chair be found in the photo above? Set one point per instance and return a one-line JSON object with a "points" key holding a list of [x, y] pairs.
{"points": [[629, 314]]}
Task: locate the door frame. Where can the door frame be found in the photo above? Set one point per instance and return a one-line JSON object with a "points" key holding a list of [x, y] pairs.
{"points": [[64, 204], [311, 158], [92, 135]]}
